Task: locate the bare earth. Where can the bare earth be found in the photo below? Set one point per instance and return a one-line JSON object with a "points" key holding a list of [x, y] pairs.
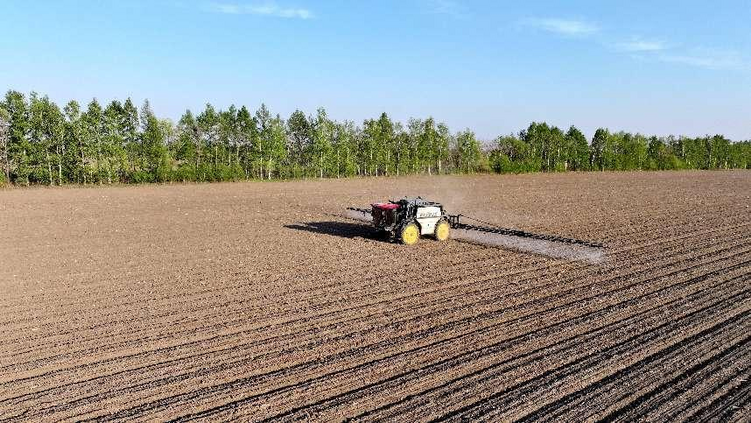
{"points": [[260, 300]]}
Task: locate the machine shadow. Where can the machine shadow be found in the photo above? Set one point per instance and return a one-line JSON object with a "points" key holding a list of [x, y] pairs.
{"points": [[341, 229]]}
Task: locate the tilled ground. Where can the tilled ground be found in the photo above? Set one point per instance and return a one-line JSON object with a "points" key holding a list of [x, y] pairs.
{"points": [[260, 301]]}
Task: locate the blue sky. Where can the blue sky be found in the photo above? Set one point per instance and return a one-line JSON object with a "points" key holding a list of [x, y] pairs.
{"points": [[656, 67]]}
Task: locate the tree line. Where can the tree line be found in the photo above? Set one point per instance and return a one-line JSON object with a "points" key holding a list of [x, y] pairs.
{"points": [[40, 143], [541, 147]]}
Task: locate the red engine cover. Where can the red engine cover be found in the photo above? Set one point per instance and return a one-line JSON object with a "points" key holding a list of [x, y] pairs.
{"points": [[385, 206]]}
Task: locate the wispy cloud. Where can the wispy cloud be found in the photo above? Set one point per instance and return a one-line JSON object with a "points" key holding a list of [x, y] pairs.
{"points": [[645, 49], [708, 59], [699, 57], [265, 9], [638, 45], [567, 27], [445, 7]]}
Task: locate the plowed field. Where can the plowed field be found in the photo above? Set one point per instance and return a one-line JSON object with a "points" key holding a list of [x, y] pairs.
{"points": [[261, 301]]}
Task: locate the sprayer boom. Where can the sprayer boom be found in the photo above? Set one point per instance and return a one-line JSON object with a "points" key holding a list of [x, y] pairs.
{"points": [[410, 218], [456, 224]]}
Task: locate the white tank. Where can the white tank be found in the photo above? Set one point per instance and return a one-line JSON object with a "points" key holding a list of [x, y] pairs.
{"points": [[427, 217]]}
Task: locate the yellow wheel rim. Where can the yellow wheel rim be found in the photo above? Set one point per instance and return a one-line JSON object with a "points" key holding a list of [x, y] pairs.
{"points": [[442, 231], [410, 234]]}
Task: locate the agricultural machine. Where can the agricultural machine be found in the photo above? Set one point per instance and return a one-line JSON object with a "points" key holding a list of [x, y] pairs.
{"points": [[408, 219]]}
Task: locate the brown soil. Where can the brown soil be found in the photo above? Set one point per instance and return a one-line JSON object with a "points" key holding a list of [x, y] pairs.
{"points": [[261, 300]]}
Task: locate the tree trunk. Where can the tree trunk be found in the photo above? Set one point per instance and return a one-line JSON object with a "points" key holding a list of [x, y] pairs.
{"points": [[83, 165], [60, 165], [198, 155], [98, 159], [7, 162], [49, 167], [26, 161]]}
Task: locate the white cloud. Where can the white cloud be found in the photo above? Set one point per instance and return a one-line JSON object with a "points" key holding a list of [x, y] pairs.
{"points": [[713, 59], [265, 9], [647, 50], [568, 27], [637, 45], [708, 59], [446, 7]]}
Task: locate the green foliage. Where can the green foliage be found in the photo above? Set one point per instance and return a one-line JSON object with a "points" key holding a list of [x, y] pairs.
{"points": [[597, 149], [19, 147], [468, 152], [345, 149], [322, 149], [576, 154], [300, 133], [539, 147], [117, 143], [380, 155]]}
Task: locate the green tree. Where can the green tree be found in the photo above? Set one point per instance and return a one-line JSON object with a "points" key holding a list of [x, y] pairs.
{"points": [[18, 137], [155, 157], [695, 152], [345, 148], [557, 159], [187, 139], [370, 147], [740, 155], [597, 151], [630, 151], [578, 150], [185, 148], [276, 145], [401, 150], [660, 156], [511, 154], [323, 131], [468, 149], [385, 142], [129, 129], [655, 150], [114, 142], [46, 136], [228, 135], [247, 137], [75, 154], [719, 152], [540, 139], [261, 155], [92, 136], [515, 149], [300, 134], [426, 145], [415, 128], [208, 123], [441, 146]]}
